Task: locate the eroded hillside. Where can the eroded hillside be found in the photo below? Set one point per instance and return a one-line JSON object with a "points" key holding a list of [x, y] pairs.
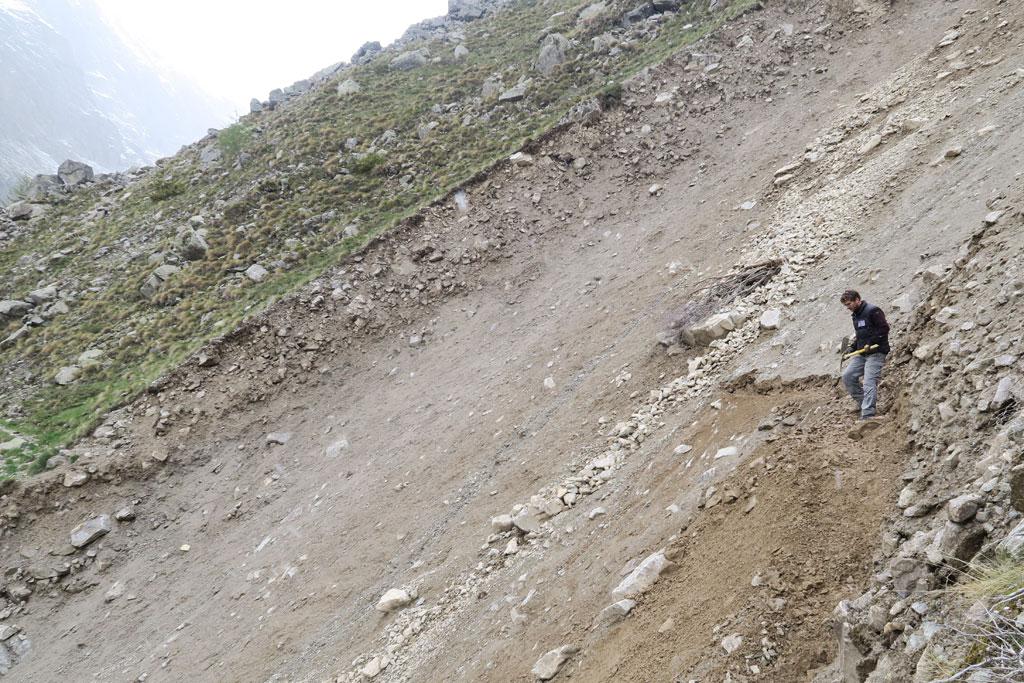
{"points": [[476, 449]]}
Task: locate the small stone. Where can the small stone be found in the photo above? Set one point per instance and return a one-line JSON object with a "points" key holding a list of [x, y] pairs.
{"points": [[596, 512], [550, 663], [726, 452], [279, 438], [641, 579], [667, 625], [549, 382], [962, 508], [256, 272], [992, 218], [393, 599], [89, 530], [75, 478], [731, 643], [616, 612], [373, 667], [125, 514], [770, 319], [502, 523], [870, 145], [682, 449], [116, 590], [67, 375], [511, 548]]}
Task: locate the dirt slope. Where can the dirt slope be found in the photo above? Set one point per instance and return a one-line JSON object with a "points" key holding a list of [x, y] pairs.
{"points": [[416, 411]]}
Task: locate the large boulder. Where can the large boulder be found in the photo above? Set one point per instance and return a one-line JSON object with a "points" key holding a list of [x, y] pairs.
{"points": [[74, 173], [552, 53], [715, 327], [255, 106], [348, 87], [44, 188], [190, 244], [156, 280], [19, 211], [366, 53], [407, 61], [12, 308]]}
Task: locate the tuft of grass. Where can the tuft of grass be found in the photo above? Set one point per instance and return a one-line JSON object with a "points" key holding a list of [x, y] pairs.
{"points": [[1002, 574]]}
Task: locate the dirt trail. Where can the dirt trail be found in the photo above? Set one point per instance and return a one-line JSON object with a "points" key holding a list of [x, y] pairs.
{"points": [[250, 560]]}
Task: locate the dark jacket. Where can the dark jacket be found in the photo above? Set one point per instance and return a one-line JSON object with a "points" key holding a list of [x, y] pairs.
{"points": [[871, 327]]}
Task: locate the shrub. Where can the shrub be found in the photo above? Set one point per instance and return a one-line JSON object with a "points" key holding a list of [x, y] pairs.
{"points": [[233, 138], [367, 164], [165, 188]]}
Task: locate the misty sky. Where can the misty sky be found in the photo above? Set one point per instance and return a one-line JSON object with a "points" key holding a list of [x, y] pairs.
{"points": [[240, 49]]}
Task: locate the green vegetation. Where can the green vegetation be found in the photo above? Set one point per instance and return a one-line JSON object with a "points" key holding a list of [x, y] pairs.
{"points": [[302, 181], [233, 139]]}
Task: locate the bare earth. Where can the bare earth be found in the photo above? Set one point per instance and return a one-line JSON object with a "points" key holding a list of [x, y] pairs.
{"points": [[252, 561]]}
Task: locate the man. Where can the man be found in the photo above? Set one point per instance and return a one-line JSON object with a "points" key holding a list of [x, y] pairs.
{"points": [[871, 330]]}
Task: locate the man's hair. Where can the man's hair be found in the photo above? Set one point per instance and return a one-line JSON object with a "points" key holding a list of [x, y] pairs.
{"points": [[849, 295]]}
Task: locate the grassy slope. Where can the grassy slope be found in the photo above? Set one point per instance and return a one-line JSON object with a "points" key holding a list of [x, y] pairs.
{"points": [[273, 205]]}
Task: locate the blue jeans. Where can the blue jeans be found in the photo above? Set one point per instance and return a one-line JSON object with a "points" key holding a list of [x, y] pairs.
{"points": [[870, 369]]}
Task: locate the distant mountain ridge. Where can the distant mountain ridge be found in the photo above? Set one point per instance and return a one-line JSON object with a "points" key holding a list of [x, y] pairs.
{"points": [[71, 88]]}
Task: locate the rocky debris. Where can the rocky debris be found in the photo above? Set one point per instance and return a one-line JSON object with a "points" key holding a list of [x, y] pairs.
{"points": [[74, 173], [90, 530], [713, 328], [641, 579], [157, 279], [394, 598], [552, 53], [551, 662], [374, 667], [125, 514]]}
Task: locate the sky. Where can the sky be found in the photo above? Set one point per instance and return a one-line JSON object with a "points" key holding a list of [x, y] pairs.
{"points": [[240, 49]]}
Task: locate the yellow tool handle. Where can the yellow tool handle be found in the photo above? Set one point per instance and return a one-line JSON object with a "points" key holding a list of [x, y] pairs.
{"points": [[861, 351]]}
